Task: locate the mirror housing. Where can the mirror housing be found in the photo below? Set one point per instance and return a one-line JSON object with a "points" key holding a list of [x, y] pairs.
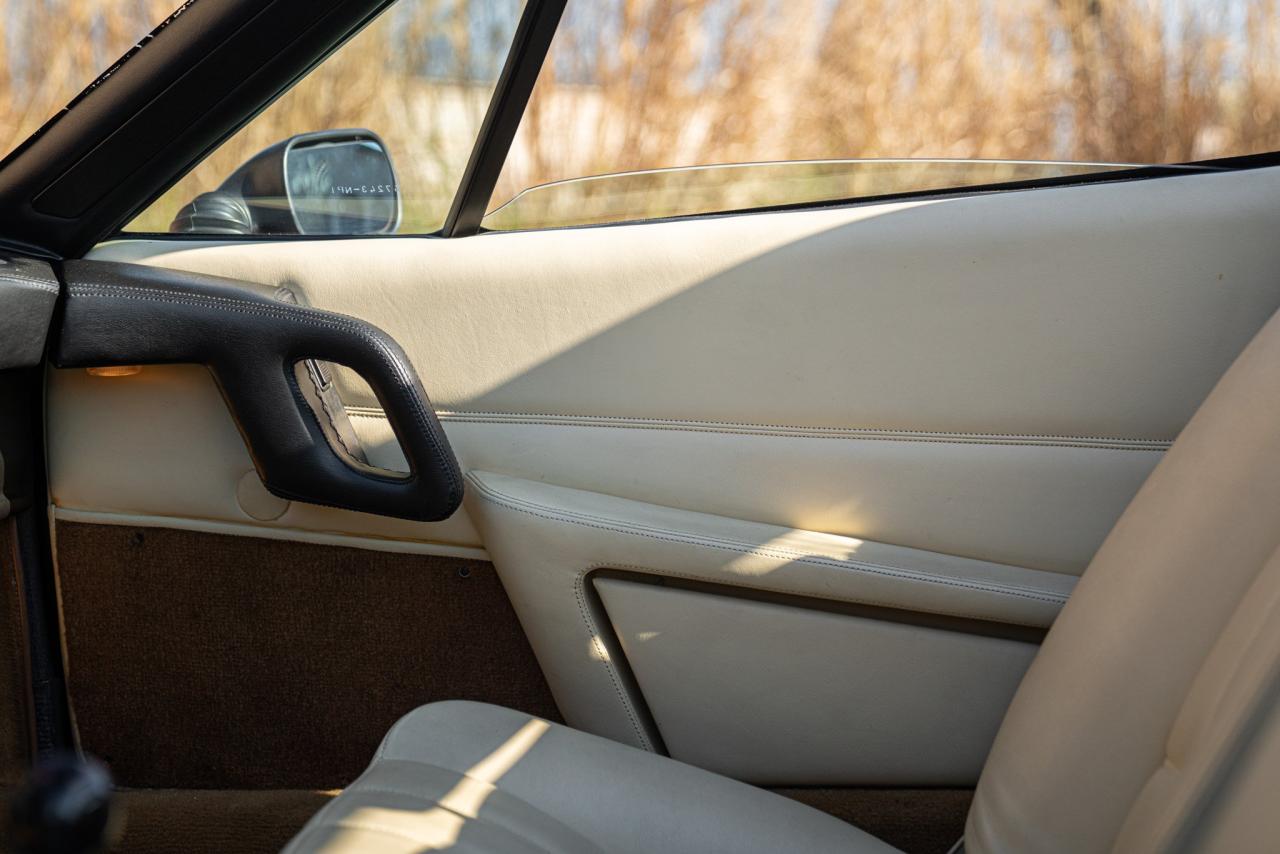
{"points": [[327, 182]]}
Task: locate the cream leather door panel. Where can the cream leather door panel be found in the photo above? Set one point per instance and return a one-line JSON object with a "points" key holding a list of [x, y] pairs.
{"points": [[778, 694], [1006, 367], [978, 384], [856, 678]]}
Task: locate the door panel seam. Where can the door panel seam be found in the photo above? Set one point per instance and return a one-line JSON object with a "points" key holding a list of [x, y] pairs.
{"points": [[678, 538], [786, 431], [605, 658]]}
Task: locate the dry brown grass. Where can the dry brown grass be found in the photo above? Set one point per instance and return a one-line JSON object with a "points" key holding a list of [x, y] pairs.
{"points": [[47, 53], [1084, 80], [1114, 80]]}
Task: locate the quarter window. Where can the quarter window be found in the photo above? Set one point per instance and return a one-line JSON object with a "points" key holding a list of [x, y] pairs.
{"points": [[418, 78]]}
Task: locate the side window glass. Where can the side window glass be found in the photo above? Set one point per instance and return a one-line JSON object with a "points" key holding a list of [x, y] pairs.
{"points": [[374, 140], [819, 100]]}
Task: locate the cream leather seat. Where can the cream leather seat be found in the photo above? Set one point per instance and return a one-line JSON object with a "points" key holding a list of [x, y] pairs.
{"points": [[1149, 721]]}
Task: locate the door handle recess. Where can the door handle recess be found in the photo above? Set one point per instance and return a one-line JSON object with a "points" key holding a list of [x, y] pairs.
{"points": [[129, 314]]}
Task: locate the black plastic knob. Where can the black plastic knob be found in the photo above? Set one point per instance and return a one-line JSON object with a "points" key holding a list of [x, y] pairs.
{"points": [[64, 807]]}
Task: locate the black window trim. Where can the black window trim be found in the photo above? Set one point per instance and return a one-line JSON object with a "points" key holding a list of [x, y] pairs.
{"points": [[528, 52]]}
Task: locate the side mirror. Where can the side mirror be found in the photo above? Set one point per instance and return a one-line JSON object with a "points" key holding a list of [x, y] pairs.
{"points": [[328, 182]]}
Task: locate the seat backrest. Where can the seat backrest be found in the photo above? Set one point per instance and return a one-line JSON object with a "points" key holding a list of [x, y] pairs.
{"points": [[1149, 721]]}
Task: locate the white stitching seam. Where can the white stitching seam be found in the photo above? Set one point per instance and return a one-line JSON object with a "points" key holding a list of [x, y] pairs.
{"points": [[43, 284], [781, 429], [749, 548], [788, 432], [602, 655]]}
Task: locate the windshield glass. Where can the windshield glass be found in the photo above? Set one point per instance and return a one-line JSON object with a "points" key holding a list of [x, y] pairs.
{"points": [[709, 189], [50, 50]]}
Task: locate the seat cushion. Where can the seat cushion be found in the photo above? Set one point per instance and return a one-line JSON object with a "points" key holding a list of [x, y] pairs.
{"points": [[1126, 710], [470, 777]]}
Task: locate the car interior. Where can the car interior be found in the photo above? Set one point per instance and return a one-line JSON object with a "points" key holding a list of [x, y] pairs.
{"points": [[926, 520]]}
